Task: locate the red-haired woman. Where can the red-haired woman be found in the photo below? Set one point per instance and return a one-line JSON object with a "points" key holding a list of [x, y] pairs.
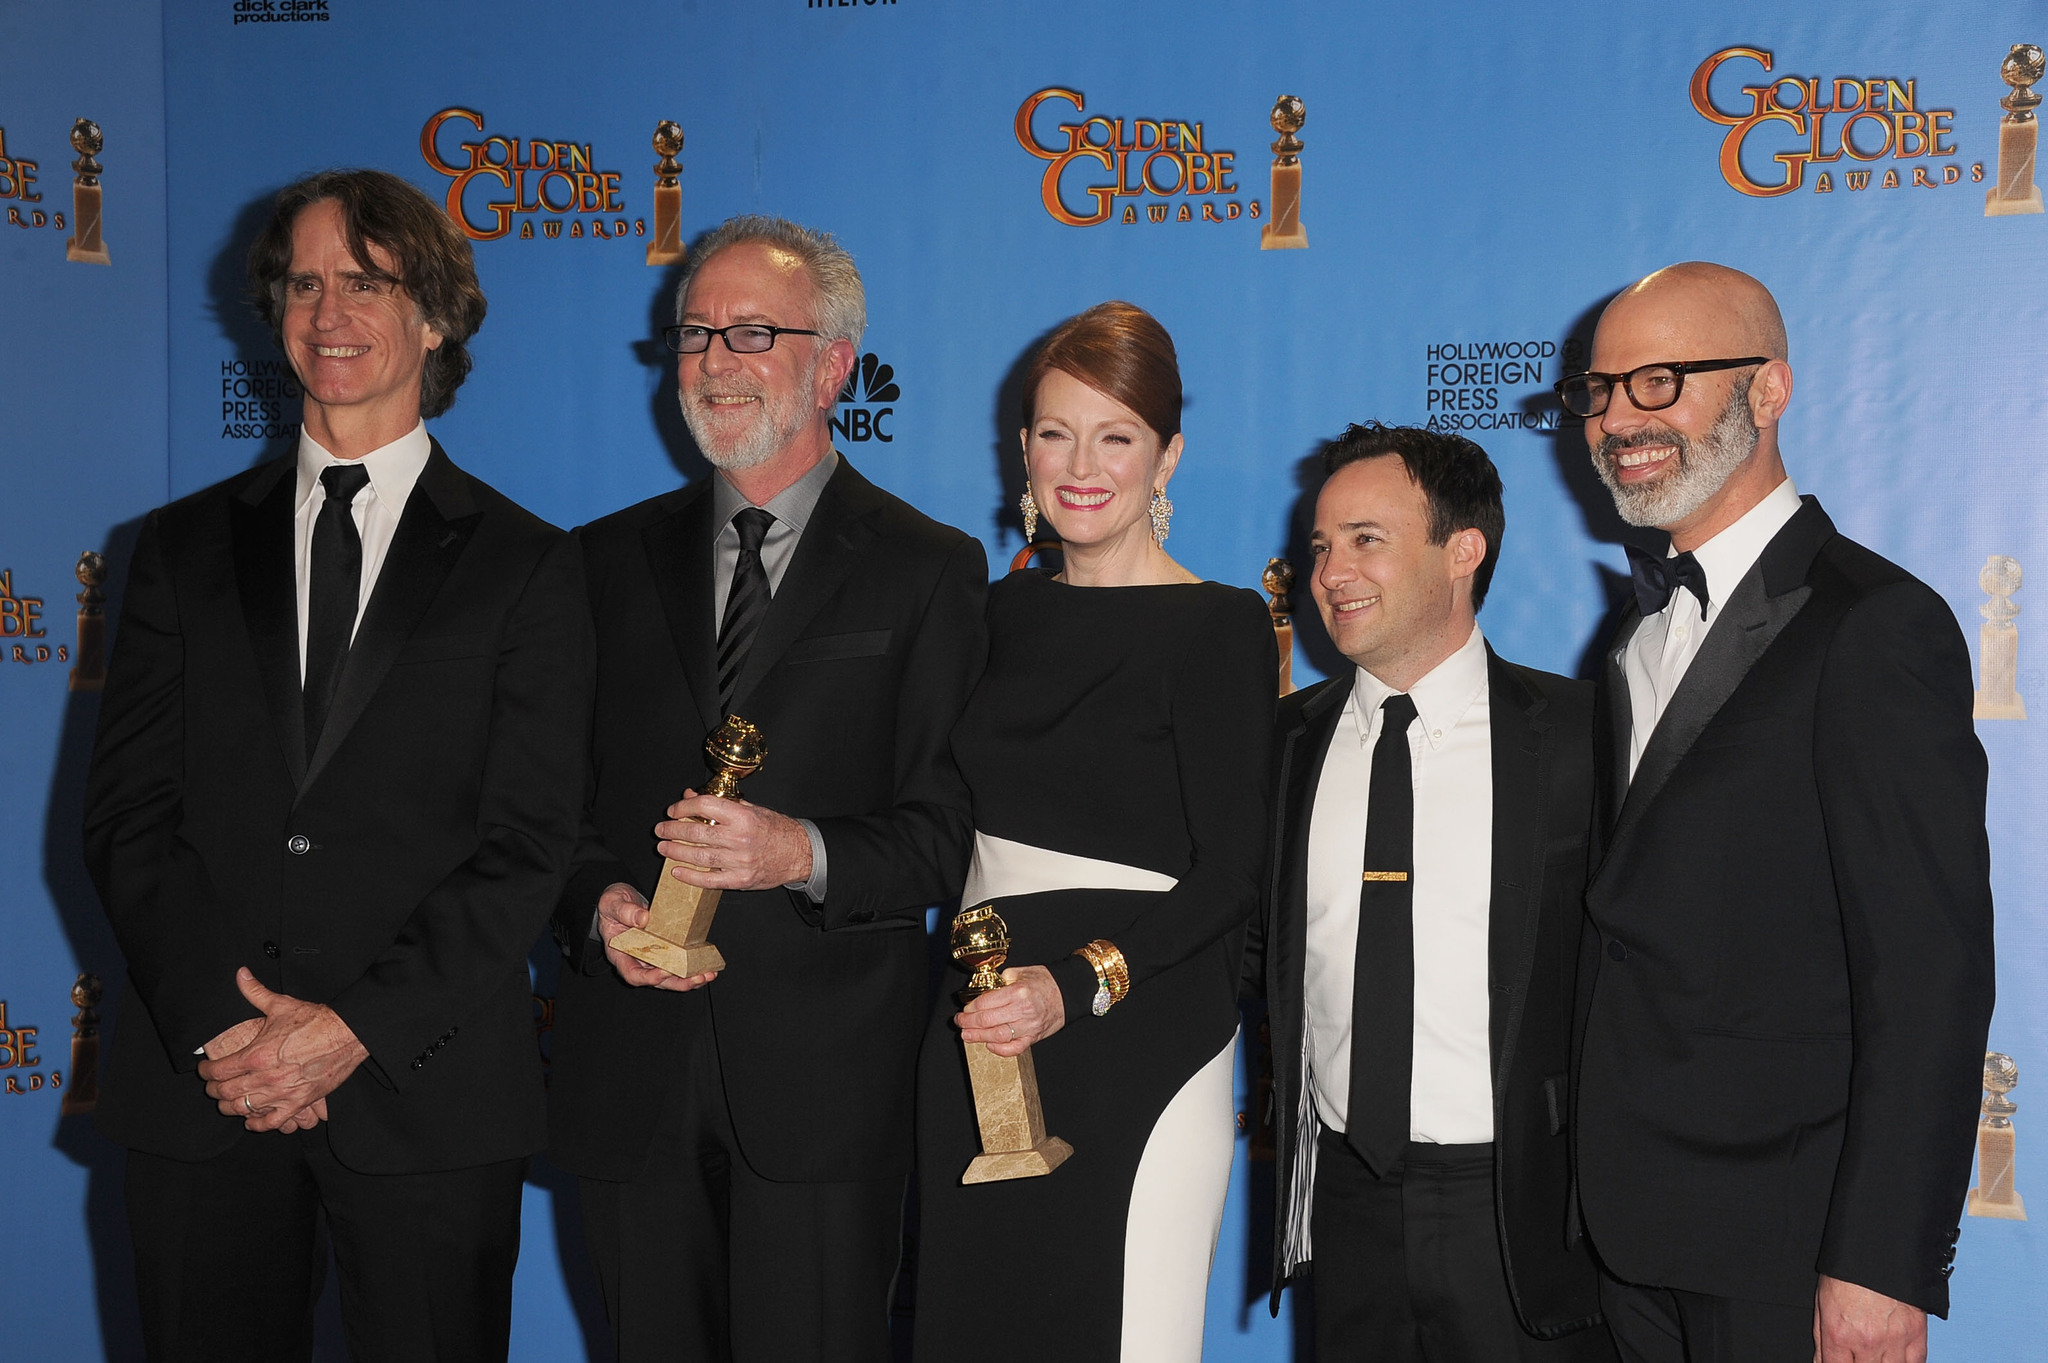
{"points": [[1116, 752]]}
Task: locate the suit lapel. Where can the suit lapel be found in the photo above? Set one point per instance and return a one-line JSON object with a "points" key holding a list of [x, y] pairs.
{"points": [[1521, 743], [260, 519], [432, 532], [1617, 733], [1301, 771], [1756, 613], [834, 540], [679, 559]]}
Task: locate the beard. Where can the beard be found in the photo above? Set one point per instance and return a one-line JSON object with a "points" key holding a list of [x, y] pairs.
{"points": [[776, 421], [1703, 466]]}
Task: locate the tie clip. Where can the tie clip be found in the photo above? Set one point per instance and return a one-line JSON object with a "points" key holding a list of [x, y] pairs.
{"points": [[1386, 875]]}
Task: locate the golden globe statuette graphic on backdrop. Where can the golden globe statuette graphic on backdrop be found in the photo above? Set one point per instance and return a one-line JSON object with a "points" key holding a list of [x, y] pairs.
{"points": [[2019, 135], [82, 1094], [85, 245], [1998, 643], [676, 938], [89, 671], [1995, 1195], [1283, 230], [667, 246], [1278, 580], [1006, 1106]]}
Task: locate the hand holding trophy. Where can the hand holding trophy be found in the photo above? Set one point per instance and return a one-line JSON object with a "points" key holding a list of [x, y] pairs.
{"points": [[1006, 1107], [676, 938]]}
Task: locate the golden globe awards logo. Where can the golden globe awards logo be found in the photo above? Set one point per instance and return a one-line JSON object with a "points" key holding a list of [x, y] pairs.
{"points": [[497, 181], [22, 632], [18, 188], [1165, 164], [1815, 123]]}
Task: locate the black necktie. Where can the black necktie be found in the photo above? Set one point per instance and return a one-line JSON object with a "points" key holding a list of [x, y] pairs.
{"points": [[337, 586], [1657, 579], [745, 603], [1383, 975]]}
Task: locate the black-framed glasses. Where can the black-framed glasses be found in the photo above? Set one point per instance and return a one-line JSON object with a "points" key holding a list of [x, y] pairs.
{"points": [[746, 338], [1651, 387]]}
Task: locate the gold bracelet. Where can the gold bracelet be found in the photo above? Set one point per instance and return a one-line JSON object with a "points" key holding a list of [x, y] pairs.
{"points": [[1112, 974]]}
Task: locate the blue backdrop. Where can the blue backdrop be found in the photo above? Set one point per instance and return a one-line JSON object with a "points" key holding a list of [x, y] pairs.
{"points": [[1478, 178]]}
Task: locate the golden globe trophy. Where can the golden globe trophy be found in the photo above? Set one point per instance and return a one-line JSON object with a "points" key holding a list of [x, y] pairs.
{"points": [[667, 246], [1998, 643], [89, 659], [1006, 1107], [1995, 1194], [82, 1080], [1278, 581], [85, 245], [2019, 135], [676, 938], [1283, 230]]}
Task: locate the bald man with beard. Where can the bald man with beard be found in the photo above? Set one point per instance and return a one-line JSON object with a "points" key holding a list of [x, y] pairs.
{"points": [[1786, 979]]}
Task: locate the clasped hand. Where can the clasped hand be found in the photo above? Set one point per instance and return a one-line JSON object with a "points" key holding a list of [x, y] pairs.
{"points": [[1028, 1008], [725, 844], [275, 1071]]}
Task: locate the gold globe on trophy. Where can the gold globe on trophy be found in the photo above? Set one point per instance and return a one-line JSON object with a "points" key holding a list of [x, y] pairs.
{"points": [[1006, 1106], [1997, 1144], [86, 246], [667, 246], [678, 931]]}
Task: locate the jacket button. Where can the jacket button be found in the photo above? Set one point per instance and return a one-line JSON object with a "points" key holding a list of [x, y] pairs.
{"points": [[1616, 951], [298, 844], [419, 1062], [270, 950]]}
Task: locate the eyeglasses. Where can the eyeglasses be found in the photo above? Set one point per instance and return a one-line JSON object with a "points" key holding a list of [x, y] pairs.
{"points": [[1651, 387], [747, 339]]}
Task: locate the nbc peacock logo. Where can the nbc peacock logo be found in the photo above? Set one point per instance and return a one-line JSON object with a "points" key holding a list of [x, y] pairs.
{"points": [[863, 401]]}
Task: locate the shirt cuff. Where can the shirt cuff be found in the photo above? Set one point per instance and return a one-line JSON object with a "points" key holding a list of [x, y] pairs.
{"points": [[814, 888]]}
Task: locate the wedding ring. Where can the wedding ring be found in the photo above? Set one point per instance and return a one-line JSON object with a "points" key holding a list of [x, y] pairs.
{"points": [[245, 1105]]}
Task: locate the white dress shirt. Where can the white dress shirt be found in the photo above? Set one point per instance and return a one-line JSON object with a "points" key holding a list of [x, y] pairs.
{"points": [[1665, 644], [393, 469], [1450, 746]]}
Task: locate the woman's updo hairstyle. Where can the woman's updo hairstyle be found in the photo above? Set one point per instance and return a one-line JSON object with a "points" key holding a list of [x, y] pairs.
{"points": [[1120, 350]]}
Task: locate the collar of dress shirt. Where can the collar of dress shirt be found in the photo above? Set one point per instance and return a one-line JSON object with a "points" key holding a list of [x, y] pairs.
{"points": [[792, 506], [1727, 557], [394, 468], [1441, 697]]}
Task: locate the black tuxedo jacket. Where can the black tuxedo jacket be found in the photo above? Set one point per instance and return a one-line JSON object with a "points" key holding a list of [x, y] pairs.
{"points": [[399, 872], [860, 667], [1788, 977], [1543, 806]]}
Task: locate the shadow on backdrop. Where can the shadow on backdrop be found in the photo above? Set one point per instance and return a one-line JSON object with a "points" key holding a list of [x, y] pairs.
{"points": [[269, 405], [1596, 505]]}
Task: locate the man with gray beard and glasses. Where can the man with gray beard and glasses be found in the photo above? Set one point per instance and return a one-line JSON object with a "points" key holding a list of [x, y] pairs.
{"points": [[743, 1136], [1786, 979]]}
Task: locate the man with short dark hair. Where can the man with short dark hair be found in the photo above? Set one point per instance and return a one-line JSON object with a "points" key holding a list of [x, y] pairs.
{"points": [[1789, 982], [1416, 948], [744, 1138], [333, 797]]}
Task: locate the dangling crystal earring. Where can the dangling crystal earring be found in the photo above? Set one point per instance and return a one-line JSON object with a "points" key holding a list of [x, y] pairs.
{"points": [[1029, 507], [1162, 515]]}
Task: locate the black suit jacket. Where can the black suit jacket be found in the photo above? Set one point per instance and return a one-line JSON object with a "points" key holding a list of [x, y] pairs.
{"points": [[1543, 806], [862, 664], [398, 873], [1789, 978]]}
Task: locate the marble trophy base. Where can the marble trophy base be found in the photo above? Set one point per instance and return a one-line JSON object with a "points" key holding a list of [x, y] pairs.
{"points": [[667, 246], [1283, 230], [1013, 1139], [2012, 1209], [678, 928], [2017, 143], [84, 245]]}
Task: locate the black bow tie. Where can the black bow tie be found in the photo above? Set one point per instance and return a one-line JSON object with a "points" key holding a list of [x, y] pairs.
{"points": [[1657, 578]]}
